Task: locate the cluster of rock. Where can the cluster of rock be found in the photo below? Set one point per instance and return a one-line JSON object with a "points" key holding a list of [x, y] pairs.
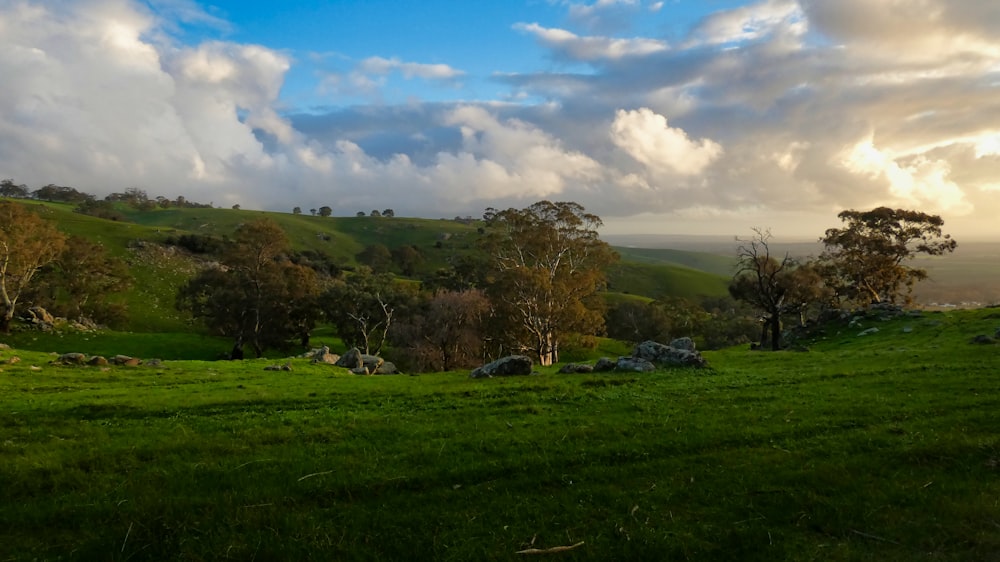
{"points": [[37, 318], [645, 357], [99, 360], [354, 361]]}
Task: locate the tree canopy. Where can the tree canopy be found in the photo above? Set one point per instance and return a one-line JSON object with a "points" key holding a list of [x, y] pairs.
{"points": [[546, 263], [865, 261], [257, 296], [27, 244]]}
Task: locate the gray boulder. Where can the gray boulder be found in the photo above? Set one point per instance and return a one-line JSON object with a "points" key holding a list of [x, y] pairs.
{"points": [[634, 364], [72, 359], [362, 370], [371, 362], [505, 366], [604, 365], [660, 354], [571, 368], [351, 359], [386, 368]]}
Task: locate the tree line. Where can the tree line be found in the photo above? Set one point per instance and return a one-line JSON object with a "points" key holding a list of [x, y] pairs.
{"points": [[534, 286]]}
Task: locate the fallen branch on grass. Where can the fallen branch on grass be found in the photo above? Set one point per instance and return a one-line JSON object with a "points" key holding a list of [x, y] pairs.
{"points": [[553, 550]]}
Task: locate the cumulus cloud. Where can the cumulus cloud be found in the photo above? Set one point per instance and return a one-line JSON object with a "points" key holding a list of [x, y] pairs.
{"points": [[776, 108], [647, 138]]}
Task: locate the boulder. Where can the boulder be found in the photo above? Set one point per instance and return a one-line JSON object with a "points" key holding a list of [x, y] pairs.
{"points": [[285, 367], [38, 315], [660, 354], [371, 362], [503, 367], [120, 359], [72, 359], [604, 365], [323, 355], [362, 370], [868, 332], [386, 368], [983, 339], [97, 361], [634, 364], [351, 359], [572, 368]]}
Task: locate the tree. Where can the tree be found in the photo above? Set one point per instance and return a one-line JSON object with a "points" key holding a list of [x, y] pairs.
{"points": [[376, 213], [864, 262], [257, 296], [312, 212], [408, 258], [769, 284], [27, 244], [360, 214], [82, 283], [376, 256], [546, 265], [52, 192], [388, 213], [325, 211], [9, 189], [446, 334], [297, 210], [236, 207], [363, 306]]}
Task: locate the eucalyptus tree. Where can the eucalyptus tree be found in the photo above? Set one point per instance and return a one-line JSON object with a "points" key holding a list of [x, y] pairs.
{"points": [[546, 264]]}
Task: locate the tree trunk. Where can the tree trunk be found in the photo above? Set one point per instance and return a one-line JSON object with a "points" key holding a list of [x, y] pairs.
{"points": [[775, 322], [237, 352], [8, 315]]}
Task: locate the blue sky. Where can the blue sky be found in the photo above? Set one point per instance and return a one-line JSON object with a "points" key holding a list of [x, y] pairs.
{"points": [[673, 117]]}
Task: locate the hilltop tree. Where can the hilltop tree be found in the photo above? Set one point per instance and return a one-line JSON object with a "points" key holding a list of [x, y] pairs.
{"points": [[546, 265], [9, 189], [297, 210], [64, 194], [27, 244], [864, 262], [325, 211], [388, 213], [258, 296]]}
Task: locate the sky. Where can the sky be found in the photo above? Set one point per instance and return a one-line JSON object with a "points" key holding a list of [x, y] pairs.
{"points": [[663, 117]]}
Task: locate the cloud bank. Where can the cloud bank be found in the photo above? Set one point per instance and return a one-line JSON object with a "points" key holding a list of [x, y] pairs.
{"points": [[779, 111]]}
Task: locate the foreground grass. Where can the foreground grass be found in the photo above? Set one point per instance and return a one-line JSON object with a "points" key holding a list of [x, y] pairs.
{"points": [[881, 447]]}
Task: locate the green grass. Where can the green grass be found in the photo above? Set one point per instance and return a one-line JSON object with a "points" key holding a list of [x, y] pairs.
{"points": [[703, 261], [878, 447], [661, 280]]}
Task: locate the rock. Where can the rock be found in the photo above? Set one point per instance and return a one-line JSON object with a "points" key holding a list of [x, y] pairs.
{"points": [[4, 346], [868, 332], [983, 339], [505, 366], [604, 365], [97, 361], [572, 368], [285, 367], [351, 359], [362, 370], [132, 362], [323, 355], [120, 359], [634, 364], [907, 329], [38, 315], [661, 354], [687, 344], [386, 368], [14, 359], [154, 363], [72, 358], [371, 362]]}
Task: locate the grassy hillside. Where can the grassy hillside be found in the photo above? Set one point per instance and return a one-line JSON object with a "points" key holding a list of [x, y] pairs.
{"points": [[876, 447], [158, 270], [717, 264]]}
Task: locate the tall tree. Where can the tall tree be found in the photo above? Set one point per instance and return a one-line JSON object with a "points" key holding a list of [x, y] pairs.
{"points": [[9, 189], [546, 265], [27, 244], [865, 261], [256, 296], [325, 211]]}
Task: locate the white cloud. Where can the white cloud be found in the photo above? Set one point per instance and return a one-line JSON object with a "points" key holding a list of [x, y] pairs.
{"points": [[382, 66], [569, 45], [647, 138], [751, 22]]}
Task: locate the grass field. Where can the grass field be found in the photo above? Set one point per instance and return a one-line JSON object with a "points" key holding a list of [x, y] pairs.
{"points": [[878, 447]]}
